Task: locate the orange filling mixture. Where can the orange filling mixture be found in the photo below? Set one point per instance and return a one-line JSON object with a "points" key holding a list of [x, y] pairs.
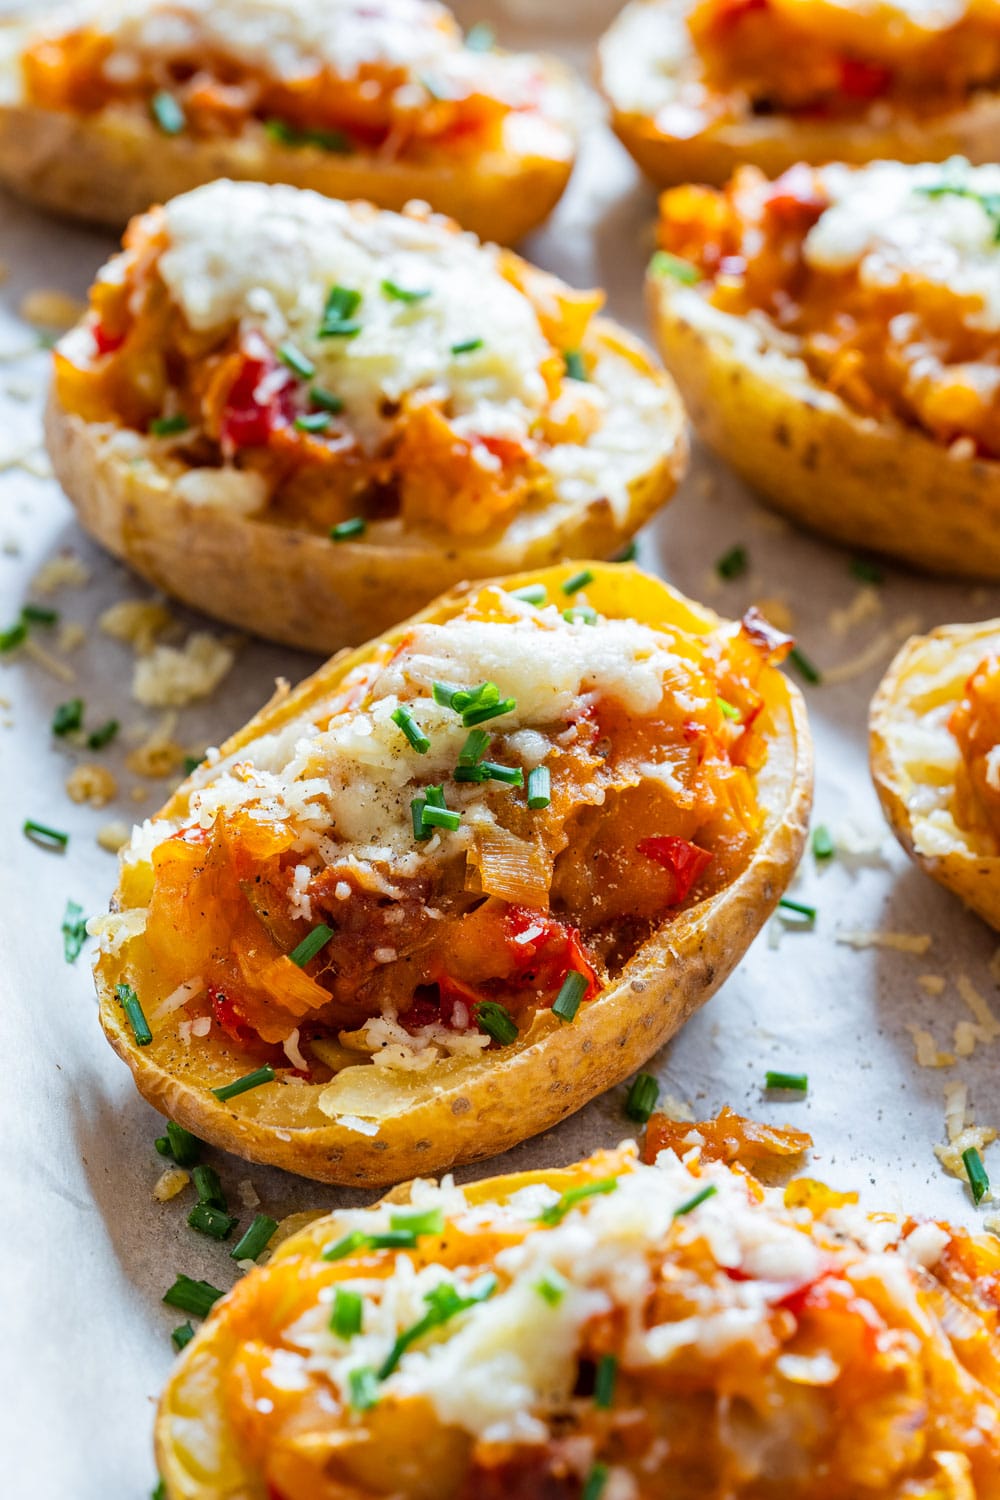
{"points": [[644, 817], [228, 397], [975, 723], [826, 61], [906, 349]]}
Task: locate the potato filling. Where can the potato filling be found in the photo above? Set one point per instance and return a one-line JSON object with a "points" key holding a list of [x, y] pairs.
{"points": [[975, 723], [324, 363], [622, 1321], [484, 824], [344, 76], [884, 281]]}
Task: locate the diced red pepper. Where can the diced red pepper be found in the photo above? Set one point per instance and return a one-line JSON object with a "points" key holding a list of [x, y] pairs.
{"points": [[106, 341], [731, 12], [684, 861], [228, 1017], [248, 418], [549, 954], [863, 80], [795, 199]]}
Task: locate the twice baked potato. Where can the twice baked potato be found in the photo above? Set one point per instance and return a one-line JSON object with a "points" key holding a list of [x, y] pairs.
{"points": [[935, 729], [700, 87], [113, 105], [589, 1331], [461, 880], [836, 336], [309, 418]]}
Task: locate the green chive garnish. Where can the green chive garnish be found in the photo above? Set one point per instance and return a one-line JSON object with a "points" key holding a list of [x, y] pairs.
{"points": [[129, 1001], [418, 1221], [14, 636], [326, 140], [347, 1314], [552, 1288], [169, 426], [311, 945], [196, 1297], [363, 1386], [556, 1212], [184, 1147], [496, 1020], [338, 314], [665, 264], [822, 842], [393, 1239], [727, 709], [804, 666], [167, 113], [255, 1240], [733, 564], [209, 1187], [440, 817], [159, 1490], [68, 717], [865, 571], [214, 1222], [575, 367], [642, 1097], [798, 908], [39, 614], [245, 1084], [191, 764], [578, 581], [182, 1336], [467, 346], [693, 1202], [539, 788], [604, 1382], [74, 931], [98, 738], [532, 593], [596, 1481], [328, 400], [572, 991], [344, 530], [300, 364], [795, 1083], [340, 1249], [40, 833], [444, 1302], [474, 748], [313, 421], [481, 37], [480, 714], [580, 614], [404, 294], [405, 721], [979, 1181], [489, 770], [417, 807], [628, 553]]}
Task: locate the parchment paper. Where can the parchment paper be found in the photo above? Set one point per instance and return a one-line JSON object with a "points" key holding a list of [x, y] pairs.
{"points": [[85, 1252]]}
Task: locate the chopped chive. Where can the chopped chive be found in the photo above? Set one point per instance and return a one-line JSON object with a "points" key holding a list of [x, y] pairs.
{"points": [[701, 1196], [418, 1221], [313, 421], [489, 770], [556, 1212], [169, 426], [804, 666], [580, 614], [417, 808], [795, 1083], [728, 710], [461, 699], [799, 908], [344, 530], [822, 842], [103, 735], [474, 747], [14, 636], [481, 37], [129, 1001], [532, 593], [496, 1020], [338, 313], [593, 1489], [604, 1382], [575, 367], [435, 796], [405, 721], [444, 695], [628, 552], [539, 787], [642, 1097], [571, 992], [311, 945], [480, 714], [182, 1336], [48, 838], [979, 1181], [444, 1302], [163, 1146], [214, 1222], [196, 1297], [466, 346], [441, 817], [209, 1187], [326, 140], [245, 1084], [328, 400], [191, 764], [340, 1249], [552, 1288], [578, 581], [300, 364], [733, 564], [393, 1239], [74, 931], [347, 1314], [254, 1240], [865, 571], [404, 294], [363, 1386], [184, 1147], [167, 113], [159, 1490], [39, 614], [68, 717], [665, 264]]}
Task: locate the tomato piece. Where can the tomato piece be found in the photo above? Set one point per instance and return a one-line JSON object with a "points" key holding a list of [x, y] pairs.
{"points": [[252, 411], [228, 1016], [683, 860], [863, 80], [544, 951], [106, 341], [795, 200]]}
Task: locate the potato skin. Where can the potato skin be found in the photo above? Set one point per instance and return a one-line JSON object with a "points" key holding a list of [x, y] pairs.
{"points": [[465, 1110], [298, 588], [872, 484], [776, 142], [973, 875]]}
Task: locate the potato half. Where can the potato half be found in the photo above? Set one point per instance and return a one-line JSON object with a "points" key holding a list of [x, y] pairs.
{"points": [[389, 1125], [916, 761], [772, 142], [872, 484]]}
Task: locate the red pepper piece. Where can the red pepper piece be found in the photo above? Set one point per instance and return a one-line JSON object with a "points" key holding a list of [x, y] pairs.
{"points": [[684, 861]]}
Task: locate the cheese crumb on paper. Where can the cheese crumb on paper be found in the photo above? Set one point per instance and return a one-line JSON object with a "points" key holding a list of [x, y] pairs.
{"points": [[926, 1049], [900, 942], [67, 571], [93, 784], [172, 676]]}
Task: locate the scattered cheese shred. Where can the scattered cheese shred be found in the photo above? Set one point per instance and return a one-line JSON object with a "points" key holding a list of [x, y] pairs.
{"points": [[866, 605], [172, 676], [49, 308], [901, 942], [47, 661], [874, 653], [114, 836], [932, 984], [137, 622], [926, 1049], [67, 571], [988, 1025], [779, 613], [173, 1181], [93, 784]]}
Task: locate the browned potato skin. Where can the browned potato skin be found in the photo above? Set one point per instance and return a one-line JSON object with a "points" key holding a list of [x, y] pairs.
{"points": [[105, 168], [865, 483], [974, 877], [465, 1110], [776, 142], [298, 588]]}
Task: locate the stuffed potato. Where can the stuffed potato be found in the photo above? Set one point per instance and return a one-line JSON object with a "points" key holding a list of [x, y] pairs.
{"points": [[698, 87], [309, 418], [616, 1328], [836, 334], [113, 105], [462, 879], [935, 729]]}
